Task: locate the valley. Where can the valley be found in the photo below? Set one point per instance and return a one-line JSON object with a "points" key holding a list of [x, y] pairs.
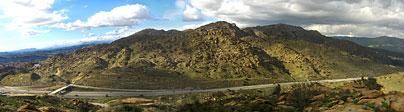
{"points": [[215, 55], [67, 91], [214, 58], [201, 56], [387, 43]]}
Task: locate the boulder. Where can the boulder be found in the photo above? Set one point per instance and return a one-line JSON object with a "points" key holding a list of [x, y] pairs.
{"points": [[281, 98], [397, 102], [370, 94], [28, 108], [136, 101], [321, 96], [261, 101], [48, 109], [286, 107], [350, 107], [180, 101], [233, 103]]}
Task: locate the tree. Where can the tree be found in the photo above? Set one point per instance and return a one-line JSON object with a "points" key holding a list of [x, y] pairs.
{"points": [[371, 83], [277, 90]]}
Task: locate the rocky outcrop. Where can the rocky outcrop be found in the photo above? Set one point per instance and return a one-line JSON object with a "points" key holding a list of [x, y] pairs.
{"points": [[350, 107], [136, 101], [213, 51], [221, 51], [28, 108], [49, 109]]}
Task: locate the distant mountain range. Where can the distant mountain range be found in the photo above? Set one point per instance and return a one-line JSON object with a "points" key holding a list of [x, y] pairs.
{"points": [[19, 51], [215, 55], [388, 43], [36, 55]]}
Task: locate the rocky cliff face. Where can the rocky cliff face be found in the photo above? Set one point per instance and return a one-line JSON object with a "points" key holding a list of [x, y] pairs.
{"points": [[214, 51], [310, 55], [222, 51]]}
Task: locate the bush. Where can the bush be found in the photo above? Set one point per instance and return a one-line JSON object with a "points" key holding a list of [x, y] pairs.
{"points": [[277, 90], [129, 108], [197, 106], [301, 96], [371, 83]]}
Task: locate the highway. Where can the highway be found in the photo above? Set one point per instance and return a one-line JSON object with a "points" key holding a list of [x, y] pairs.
{"points": [[134, 92], [19, 91]]}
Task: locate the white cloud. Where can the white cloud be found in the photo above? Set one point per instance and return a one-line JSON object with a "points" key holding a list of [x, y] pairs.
{"points": [[61, 43], [28, 14], [85, 6], [180, 4], [89, 35], [207, 4], [386, 15], [110, 36], [352, 30], [64, 43], [118, 32], [191, 14], [193, 26], [128, 15], [32, 32]]}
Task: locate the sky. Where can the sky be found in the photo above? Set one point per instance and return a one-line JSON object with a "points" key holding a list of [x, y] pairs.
{"points": [[52, 23]]}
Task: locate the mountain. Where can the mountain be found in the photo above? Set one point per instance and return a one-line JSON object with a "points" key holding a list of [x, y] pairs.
{"points": [[215, 55], [58, 47], [37, 55], [80, 43], [24, 50], [18, 51], [388, 43]]}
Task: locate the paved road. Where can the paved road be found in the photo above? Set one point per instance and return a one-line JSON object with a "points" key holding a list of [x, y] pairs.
{"points": [[17, 91], [171, 92], [133, 92]]}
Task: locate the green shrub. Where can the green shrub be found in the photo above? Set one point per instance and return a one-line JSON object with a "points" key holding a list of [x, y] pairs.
{"points": [[385, 105], [301, 96], [277, 90], [129, 108], [371, 83]]}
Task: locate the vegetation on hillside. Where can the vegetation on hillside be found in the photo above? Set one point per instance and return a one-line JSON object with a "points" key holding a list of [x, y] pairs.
{"points": [[218, 53], [314, 97], [36, 55], [387, 43], [44, 104]]}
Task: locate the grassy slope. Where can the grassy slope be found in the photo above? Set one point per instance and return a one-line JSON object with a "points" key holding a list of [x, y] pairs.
{"points": [[11, 104], [146, 78], [310, 55], [387, 43], [292, 98], [392, 82], [216, 55]]}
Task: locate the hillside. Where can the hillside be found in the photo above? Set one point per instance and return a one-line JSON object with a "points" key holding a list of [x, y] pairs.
{"points": [[308, 54], [215, 55], [387, 43], [35, 55], [32, 55]]}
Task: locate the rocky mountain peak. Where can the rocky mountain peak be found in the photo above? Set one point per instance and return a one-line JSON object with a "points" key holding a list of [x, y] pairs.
{"points": [[156, 32], [221, 28], [216, 51]]}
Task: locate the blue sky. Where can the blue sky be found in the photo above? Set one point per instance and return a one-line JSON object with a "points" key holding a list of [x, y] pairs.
{"points": [[49, 23], [48, 35]]}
